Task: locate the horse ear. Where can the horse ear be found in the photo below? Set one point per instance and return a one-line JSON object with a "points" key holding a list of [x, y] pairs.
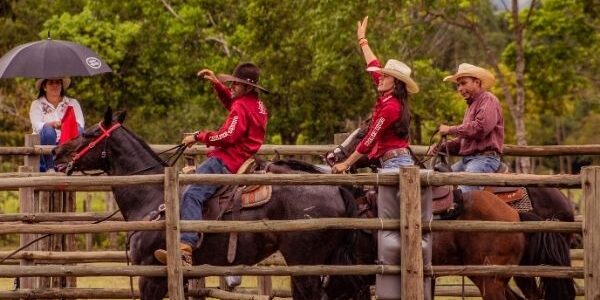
{"points": [[120, 116], [107, 117]]}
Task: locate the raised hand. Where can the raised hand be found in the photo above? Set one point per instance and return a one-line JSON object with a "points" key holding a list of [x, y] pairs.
{"points": [[207, 74], [362, 28]]}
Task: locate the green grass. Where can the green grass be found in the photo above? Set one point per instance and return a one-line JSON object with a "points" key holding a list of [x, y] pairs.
{"points": [[115, 282]]}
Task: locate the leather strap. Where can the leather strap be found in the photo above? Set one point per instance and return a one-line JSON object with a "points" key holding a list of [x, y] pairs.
{"points": [[488, 153], [394, 153], [235, 215]]}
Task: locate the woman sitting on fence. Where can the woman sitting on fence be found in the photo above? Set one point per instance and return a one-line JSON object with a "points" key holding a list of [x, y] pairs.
{"points": [[49, 110]]}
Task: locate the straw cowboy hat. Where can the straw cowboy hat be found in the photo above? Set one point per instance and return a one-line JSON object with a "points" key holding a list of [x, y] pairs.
{"points": [[246, 73], [66, 82], [464, 69], [400, 71]]}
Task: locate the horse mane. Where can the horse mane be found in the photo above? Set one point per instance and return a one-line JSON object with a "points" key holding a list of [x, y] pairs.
{"points": [[145, 146], [298, 165]]}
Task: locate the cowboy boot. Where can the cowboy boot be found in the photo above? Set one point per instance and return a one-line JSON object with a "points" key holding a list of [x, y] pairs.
{"points": [[186, 255]]}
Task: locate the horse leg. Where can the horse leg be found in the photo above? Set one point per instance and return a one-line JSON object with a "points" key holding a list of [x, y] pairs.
{"points": [[529, 287], [494, 288], [306, 287], [153, 288]]}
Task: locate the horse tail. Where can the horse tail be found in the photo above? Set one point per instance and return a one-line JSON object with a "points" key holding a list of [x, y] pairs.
{"points": [[357, 247], [548, 248]]}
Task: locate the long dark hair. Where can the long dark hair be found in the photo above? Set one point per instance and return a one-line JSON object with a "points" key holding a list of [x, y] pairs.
{"points": [[42, 93], [402, 126]]}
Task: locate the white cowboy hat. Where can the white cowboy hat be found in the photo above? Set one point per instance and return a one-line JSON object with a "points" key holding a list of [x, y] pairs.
{"points": [[400, 71], [464, 69], [66, 82]]}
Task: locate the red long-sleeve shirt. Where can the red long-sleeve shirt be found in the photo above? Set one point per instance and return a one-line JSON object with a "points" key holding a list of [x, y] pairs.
{"points": [[482, 128], [243, 132], [381, 136]]}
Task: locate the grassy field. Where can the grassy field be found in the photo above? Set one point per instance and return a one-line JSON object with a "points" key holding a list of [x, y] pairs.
{"points": [[279, 282]]}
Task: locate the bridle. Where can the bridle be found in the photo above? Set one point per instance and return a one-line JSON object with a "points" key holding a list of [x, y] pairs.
{"points": [[104, 137]]}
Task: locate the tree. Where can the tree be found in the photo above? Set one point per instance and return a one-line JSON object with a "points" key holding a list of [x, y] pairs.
{"points": [[469, 16]]}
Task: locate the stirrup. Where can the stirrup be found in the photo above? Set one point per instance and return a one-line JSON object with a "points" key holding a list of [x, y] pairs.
{"points": [[186, 255]]}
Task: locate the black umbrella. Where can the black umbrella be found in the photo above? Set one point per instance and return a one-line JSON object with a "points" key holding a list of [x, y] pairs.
{"points": [[51, 59]]}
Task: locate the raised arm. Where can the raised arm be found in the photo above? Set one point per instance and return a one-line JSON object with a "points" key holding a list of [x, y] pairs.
{"points": [[362, 41], [222, 91]]}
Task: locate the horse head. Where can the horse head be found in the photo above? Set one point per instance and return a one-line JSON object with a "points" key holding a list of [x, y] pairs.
{"points": [[100, 146]]}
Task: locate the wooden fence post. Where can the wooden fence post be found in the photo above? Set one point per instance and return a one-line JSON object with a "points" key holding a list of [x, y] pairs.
{"points": [[174, 272], [111, 206], [590, 184], [87, 207], [29, 201], [264, 285], [411, 254], [26, 196], [32, 160]]}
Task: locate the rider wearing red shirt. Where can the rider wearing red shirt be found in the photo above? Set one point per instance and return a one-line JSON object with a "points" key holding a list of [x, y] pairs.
{"points": [[387, 136], [237, 139], [387, 140]]}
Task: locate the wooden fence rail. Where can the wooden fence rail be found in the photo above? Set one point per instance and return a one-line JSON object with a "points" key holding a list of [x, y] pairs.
{"points": [[122, 294], [119, 256], [58, 217], [294, 225], [206, 270], [509, 150], [242, 294], [426, 178]]}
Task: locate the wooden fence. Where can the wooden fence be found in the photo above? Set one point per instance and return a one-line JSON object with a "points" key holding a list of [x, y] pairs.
{"points": [[409, 225], [30, 184]]}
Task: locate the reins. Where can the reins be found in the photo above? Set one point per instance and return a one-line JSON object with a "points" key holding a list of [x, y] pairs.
{"points": [[104, 137]]}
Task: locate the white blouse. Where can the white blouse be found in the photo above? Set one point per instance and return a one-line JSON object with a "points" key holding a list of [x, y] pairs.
{"points": [[42, 112]]}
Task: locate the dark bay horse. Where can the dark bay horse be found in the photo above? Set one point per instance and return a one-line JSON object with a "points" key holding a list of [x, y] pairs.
{"points": [[119, 152], [455, 248]]}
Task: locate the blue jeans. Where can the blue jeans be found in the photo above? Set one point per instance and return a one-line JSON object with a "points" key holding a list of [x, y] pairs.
{"points": [[476, 164], [48, 137], [195, 195], [397, 162]]}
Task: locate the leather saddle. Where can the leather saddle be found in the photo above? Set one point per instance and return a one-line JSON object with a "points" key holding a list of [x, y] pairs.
{"points": [[516, 197], [446, 202], [233, 199]]}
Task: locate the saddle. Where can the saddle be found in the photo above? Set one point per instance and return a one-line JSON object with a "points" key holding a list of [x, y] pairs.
{"points": [[446, 202], [515, 197], [233, 199]]}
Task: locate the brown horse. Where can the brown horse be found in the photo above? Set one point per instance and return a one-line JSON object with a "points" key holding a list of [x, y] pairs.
{"points": [[460, 248], [476, 248]]}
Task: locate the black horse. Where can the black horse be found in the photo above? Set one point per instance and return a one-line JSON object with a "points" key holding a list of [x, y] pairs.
{"points": [[119, 152], [547, 204]]}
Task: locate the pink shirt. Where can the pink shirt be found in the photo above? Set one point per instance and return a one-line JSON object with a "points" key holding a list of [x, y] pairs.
{"points": [[482, 128]]}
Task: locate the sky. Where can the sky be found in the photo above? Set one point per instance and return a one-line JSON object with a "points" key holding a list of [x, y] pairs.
{"points": [[508, 3]]}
